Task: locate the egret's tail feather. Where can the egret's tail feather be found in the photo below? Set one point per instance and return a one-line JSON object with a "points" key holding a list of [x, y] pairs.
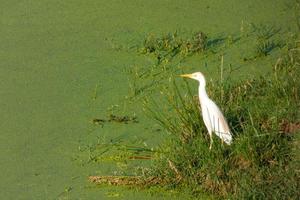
{"points": [[226, 137]]}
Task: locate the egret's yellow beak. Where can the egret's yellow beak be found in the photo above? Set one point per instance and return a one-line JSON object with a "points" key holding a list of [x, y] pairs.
{"points": [[187, 75]]}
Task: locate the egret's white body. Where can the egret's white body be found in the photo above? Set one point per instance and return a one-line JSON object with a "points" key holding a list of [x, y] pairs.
{"points": [[212, 116]]}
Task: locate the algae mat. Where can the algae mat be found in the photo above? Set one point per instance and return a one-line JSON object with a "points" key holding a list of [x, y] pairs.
{"points": [[55, 53]]}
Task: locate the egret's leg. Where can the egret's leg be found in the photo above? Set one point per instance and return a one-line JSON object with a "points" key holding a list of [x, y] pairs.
{"points": [[211, 141]]}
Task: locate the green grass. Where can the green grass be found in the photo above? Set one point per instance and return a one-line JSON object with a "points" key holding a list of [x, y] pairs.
{"points": [[167, 52], [170, 45], [261, 163]]}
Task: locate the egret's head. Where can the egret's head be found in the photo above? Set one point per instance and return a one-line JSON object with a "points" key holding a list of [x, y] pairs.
{"points": [[197, 76]]}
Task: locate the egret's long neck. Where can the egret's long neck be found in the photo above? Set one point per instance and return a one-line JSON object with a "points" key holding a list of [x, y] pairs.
{"points": [[202, 91]]}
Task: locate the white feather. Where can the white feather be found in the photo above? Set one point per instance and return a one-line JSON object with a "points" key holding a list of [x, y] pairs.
{"points": [[212, 116], [215, 121]]}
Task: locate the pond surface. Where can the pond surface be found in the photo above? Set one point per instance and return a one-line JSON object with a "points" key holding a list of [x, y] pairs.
{"points": [[55, 54]]}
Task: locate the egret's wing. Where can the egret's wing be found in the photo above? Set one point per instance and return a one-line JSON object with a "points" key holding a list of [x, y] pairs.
{"points": [[218, 122]]}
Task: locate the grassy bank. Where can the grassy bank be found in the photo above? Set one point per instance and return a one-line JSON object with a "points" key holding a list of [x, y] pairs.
{"points": [[263, 114]]}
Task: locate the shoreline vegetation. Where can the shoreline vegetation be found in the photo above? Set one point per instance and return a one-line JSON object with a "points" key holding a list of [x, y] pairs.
{"points": [[263, 113], [261, 162]]}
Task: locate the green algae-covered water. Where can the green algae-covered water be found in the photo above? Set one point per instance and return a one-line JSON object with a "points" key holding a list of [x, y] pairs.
{"points": [[63, 63]]}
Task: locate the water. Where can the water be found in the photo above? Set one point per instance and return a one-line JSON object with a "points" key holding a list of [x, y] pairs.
{"points": [[52, 56]]}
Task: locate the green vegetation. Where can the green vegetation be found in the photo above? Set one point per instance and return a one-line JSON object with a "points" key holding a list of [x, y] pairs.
{"points": [[116, 150], [264, 44], [264, 115], [168, 52], [264, 47], [113, 118], [168, 46]]}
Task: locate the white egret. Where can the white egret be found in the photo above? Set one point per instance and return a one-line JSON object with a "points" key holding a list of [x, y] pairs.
{"points": [[212, 116]]}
